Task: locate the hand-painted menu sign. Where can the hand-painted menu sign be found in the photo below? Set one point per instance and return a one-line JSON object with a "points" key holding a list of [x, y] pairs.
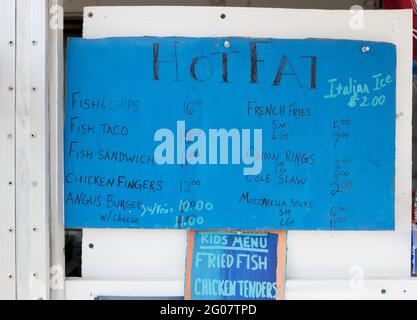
{"points": [[230, 133], [235, 266]]}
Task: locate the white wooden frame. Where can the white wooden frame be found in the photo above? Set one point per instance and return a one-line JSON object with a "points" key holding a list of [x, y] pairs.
{"points": [[7, 150], [314, 258], [32, 147], [56, 146]]}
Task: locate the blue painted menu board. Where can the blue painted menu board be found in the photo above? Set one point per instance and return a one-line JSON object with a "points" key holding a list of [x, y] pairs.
{"points": [[230, 133], [235, 266]]}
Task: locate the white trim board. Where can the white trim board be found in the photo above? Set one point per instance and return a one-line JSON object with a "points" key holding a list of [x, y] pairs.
{"points": [[7, 150], [313, 254], [32, 165], [56, 146], [90, 288]]}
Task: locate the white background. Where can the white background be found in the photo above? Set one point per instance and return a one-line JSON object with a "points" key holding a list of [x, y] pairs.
{"points": [[155, 258]]}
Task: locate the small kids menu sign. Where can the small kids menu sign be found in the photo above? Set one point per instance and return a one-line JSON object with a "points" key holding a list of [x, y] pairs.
{"points": [[235, 265]]}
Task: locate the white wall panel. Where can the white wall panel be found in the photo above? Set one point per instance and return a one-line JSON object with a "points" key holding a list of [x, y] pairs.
{"points": [[76, 6], [146, 254], [311, 255]]}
